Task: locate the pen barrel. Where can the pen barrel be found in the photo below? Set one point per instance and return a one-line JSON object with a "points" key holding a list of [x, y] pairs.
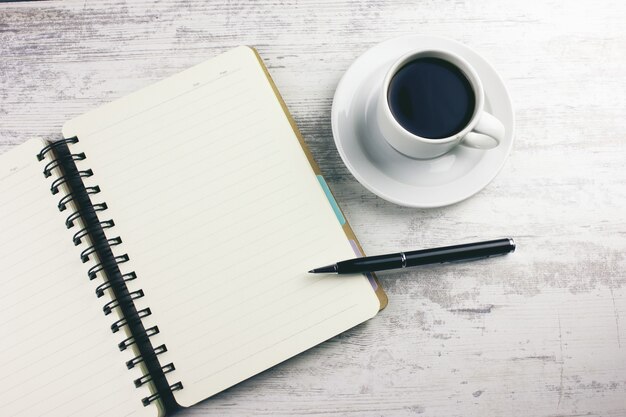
{"points": [[463, 252], [370, 263]]}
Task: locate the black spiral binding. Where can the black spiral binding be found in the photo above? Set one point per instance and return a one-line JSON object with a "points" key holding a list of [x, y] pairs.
{"points": [[69, 222], [53, 145], [63, 202], [84, 255], [106, 284], [108, 267], [54, 188]]}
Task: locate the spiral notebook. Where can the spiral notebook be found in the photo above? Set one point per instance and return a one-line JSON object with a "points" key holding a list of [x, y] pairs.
{"points": [[158, 254]]}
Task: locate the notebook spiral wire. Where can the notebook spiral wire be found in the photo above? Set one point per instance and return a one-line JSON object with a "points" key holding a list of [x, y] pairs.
{"points": [[87, 254]]}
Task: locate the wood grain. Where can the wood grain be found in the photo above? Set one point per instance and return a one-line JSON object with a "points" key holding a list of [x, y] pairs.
{"points": [[538, 333]]}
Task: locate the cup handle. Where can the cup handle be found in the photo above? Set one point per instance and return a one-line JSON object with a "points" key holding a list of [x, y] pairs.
{"points": [[487, 134]]}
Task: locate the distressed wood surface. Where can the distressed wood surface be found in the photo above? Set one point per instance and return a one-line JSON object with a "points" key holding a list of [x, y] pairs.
{"points": [[538, 333]]}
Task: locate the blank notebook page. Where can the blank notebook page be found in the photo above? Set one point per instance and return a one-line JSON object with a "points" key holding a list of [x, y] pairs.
{"points": [[58, 357], [222, 216]]}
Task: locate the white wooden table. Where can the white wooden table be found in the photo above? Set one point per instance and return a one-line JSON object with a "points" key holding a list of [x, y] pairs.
{"points": [[538, 333]]}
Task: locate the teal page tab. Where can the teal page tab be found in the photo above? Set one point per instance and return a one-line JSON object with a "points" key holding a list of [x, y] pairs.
{"points": [[331, 200]]}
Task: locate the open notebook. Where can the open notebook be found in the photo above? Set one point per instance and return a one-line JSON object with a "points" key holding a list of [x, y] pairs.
{"points": [[170, 262]]}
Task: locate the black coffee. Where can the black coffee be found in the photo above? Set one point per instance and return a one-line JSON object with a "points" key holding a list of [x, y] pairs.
{"points": [[431, 98]]}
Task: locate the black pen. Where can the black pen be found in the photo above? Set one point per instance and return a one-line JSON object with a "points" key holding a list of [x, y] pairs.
{"points": [[465, 252]]}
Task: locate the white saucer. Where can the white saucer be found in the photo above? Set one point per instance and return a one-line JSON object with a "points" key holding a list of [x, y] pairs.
{"points": [[445, 180]]}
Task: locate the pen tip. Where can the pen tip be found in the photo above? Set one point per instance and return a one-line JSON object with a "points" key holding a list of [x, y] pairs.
{"points": [[325, 269]]}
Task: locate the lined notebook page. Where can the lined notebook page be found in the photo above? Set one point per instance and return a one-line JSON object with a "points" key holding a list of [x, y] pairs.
{"points": [[222, 216], [57, 354]]}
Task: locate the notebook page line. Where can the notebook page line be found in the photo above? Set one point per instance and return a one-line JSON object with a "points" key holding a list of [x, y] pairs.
{"points": [[10, 173], [29, 284], [258, 282], [23, 188], [19, 188], [103, 411], [260, 252], [168, 113], [24, 327], [146, 110], [289, 336], [193, 216], [28, 254], [42, 358], [78, 383], [165, 137], [164, 120], [267, 290], [221, 338], [139, 196], [60, 308], [18, 207], [173, 283], [15, 236], [210, 221], [69, 371], [49, 271], [23, 230], [34, 267], [74, 399], [160, 168], [215, 287], [193, 255], [22, 254]]}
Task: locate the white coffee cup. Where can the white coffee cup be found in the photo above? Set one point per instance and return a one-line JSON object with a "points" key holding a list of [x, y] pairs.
{"points": [[483, 131]]}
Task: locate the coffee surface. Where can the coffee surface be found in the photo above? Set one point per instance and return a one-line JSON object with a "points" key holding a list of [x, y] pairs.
{"points": [[431, 98]]}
